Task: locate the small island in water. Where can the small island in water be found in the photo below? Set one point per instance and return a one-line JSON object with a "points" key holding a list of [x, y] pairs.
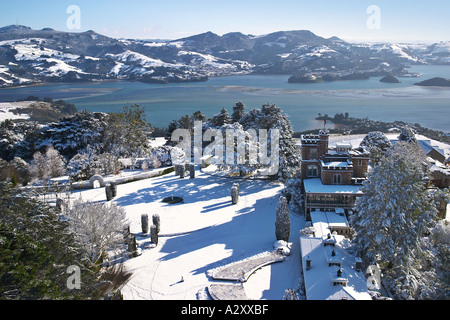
{"points": [[389, 79], [434, 82]]}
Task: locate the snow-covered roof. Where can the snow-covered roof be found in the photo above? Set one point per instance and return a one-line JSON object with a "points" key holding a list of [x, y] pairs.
{"points": [[336, 164], [320, 280], [322, 221], [427, 147], [344, 145], [315, 186]]}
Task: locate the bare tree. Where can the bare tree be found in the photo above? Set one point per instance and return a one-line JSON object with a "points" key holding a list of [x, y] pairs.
{"points": [[55, 163], [38, 167], [97, 227]]}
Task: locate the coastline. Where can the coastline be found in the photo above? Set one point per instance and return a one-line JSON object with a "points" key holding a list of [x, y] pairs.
{"points": [[361, 98]]}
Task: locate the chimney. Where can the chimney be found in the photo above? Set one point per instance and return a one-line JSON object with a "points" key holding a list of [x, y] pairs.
{"points": [[358, 264]]}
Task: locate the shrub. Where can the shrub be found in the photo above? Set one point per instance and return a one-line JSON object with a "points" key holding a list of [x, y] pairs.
{"points": [[144, 222], [153, 235], [156, 222]]}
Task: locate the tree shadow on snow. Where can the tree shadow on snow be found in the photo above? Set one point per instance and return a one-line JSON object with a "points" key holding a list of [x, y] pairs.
{"points": [[191, 190]]}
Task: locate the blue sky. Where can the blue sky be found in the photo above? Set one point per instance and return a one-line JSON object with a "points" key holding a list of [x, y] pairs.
{"points": [[400, 20]]}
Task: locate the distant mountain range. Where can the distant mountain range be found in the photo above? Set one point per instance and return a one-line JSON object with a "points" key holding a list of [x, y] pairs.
{"points": [[30, 56]]}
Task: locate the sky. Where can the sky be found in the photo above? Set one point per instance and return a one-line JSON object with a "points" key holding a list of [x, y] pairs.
{"points": [[351, 20]]}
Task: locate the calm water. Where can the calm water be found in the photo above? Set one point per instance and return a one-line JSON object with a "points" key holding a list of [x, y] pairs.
{"points": [[302, 102]]}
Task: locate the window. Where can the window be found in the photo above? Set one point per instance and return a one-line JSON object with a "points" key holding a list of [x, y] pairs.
{"points": [[312, 171], [337, 179]]}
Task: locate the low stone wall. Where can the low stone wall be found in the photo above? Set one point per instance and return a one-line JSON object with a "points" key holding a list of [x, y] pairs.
{"points": [[239, 271], [227, 292], [121, 180]]}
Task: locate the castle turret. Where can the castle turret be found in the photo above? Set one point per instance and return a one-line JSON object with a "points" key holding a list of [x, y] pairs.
{"points": [[323, 142]]}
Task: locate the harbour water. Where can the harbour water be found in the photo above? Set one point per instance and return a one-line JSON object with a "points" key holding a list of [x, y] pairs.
{"points": [[428, 106]]}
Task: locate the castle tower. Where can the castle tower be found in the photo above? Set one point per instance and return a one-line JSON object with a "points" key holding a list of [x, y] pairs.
{"points": [[323, 142]]}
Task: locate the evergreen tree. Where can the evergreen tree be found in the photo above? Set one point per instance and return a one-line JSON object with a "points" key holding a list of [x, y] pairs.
{"points": [[271, 117], [36, 248], [18, 139], [392, 217], [238, 112], [377, 144], [198, 116], [220, 119], [73, 134], [282, 222], [126, 133], [407, 134]]}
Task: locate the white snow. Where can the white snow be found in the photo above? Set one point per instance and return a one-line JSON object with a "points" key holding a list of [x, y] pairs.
{"points": [[205, 232], [271, 44], [284, 55], [177, 44], [155, 44], [6, 113], [319, 51], [315, 186], [137, 58], [441, 47], [319, 278], [60, 67], [35, 51], [397, 49], [206, 59]]}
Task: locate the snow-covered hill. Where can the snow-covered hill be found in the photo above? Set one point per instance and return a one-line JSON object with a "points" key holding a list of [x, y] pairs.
{"points": [[29, 56]]}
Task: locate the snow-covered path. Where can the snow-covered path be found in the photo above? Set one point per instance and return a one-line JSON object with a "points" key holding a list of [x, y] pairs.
{"points": [[204, 232]]}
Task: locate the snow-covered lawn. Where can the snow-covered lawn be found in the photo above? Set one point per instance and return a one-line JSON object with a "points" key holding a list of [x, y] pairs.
{"points": [[205, 232]]}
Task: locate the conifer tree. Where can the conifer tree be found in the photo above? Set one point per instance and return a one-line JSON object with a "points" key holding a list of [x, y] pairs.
{"points": [[36, 249], [392, 216], [377, 144], [271, 117], [220, 119], [282, 222], [238, 112]]}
